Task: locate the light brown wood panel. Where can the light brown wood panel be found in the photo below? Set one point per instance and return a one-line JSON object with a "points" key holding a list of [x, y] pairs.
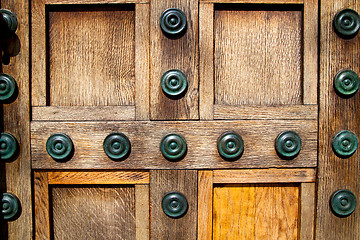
{"points": [[255, 1], [256, 211], [142, 212], [307, 211], [93, 212], [257, 55], [205, 204], [91, 55], [15, 119], [336, 114], [52, 2], [201, 137], [42, 206], [166, 54], [162, 182]]}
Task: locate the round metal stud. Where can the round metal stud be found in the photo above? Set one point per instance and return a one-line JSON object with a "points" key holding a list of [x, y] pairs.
{"points": [[174, 204], [288, 144], [10, 20], [7, 87], [174, 83], [10, 206], [347, 23], [344, 144], [346, 83], [60, 147], [117, 146], [173, 22], [8, 146], [173, 147], [230, 146], [343, 203]]}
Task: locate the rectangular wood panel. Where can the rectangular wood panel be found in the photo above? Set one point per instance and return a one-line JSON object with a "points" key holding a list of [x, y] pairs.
{"points": [[91, 55], [263, 211], [201, 137], [93, 212], [174, 53], [162, 182], [257, 54]]}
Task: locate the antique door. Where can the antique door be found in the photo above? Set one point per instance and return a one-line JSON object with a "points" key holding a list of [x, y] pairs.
{"points": [[187, 119]]}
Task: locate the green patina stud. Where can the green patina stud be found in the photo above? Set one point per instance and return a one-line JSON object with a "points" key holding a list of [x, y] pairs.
{"points": [[344, 143], [288, 144], [347, 23], [60, 147], [10, 206], [174, 204], [8, 146], [173, 22], [174, 83], [230, 146], [343, 203], [7, 87], [10, 20], [346, 83], [117, 146], [173, 147]]}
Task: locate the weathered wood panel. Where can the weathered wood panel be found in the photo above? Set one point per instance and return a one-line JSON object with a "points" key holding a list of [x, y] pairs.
{"points": [[205, 204]]}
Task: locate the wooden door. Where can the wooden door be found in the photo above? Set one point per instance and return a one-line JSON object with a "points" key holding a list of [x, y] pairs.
{"points": [[259, 72]]}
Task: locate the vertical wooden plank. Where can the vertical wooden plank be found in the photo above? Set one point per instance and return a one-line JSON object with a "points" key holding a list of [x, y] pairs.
{"points": [[205, 205], [310, 74], [16, 117], [142, 211], [42, 209], [336, 114], [162, 182], [38, 63], [142, 68], [206, 48], [180, 53], [307, 211]]}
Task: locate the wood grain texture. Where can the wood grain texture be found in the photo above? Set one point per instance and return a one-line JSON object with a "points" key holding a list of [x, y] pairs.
{"points": [[258, 55], [285, 112], [166, 54], [336, 114], [142, 61], [256, 212], [52, 2], [97, 177], [265, 176], [93, 212], [162, 182], [310, 46], [201, 137], [142, 212], [75, 113], [15, 120], [307, 211], [255, 1], [38, 53], [42, 206], [205, 205], [206, 48], [91, 55]]}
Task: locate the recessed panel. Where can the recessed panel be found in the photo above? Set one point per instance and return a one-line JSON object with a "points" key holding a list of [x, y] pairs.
{"points": [[257, 56], [91, 55]]}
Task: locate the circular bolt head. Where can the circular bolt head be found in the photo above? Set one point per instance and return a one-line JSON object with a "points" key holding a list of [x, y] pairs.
{"points": [[343, 203], [344, 144], [174, 204], [10, 206], [288, 144], [346, 83], [10, 20], [173, 147], [174, 83], [347, 23], [60, 147], [117, 146], [8, 146], [173, 22], [7, 87], [230, 146]]}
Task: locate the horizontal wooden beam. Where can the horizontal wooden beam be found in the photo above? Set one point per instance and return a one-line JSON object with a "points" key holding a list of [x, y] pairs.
{"points": [[53, 2], [99, 177], [255, 1], [265, 176]]}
